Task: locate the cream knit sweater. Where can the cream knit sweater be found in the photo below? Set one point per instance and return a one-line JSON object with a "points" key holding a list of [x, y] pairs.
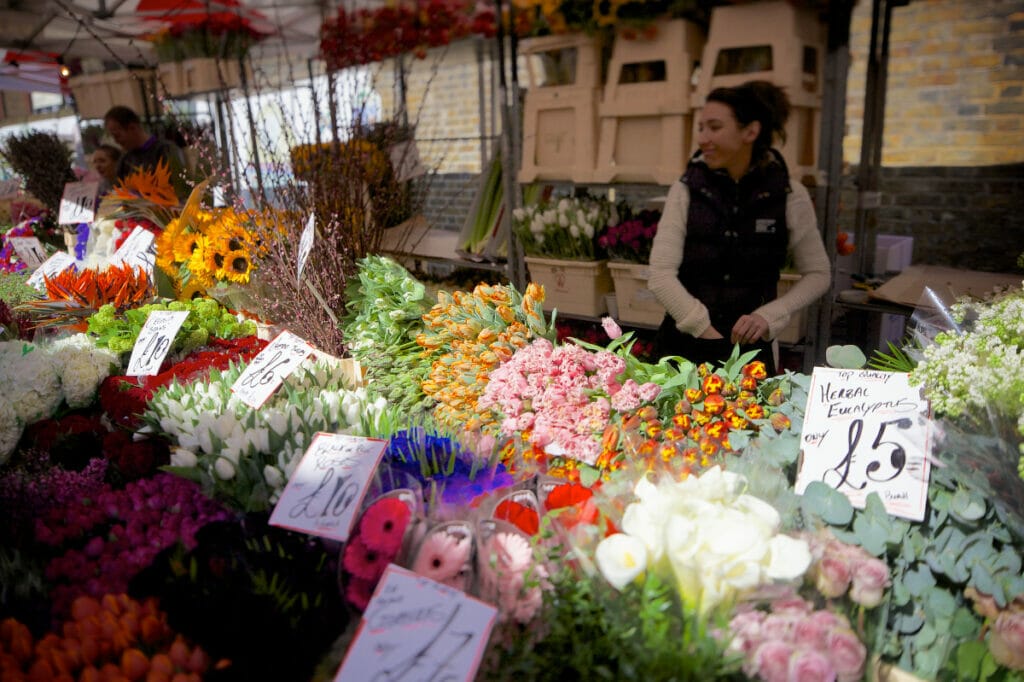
{"points": [[690, 315]]}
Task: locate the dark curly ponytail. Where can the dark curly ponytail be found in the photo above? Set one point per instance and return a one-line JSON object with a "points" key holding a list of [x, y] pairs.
{"points": [[759, 101]]}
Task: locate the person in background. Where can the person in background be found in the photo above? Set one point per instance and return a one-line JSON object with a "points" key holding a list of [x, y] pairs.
{"points": [[143, 150], [104, 161], [729, 226]]}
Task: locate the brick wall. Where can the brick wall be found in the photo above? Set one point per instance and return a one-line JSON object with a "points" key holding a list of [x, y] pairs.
{"points": [[955, 93]]}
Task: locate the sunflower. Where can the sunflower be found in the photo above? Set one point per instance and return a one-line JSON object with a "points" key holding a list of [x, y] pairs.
{"points": [[190, 288], [227, 233], [197, 264], [165, 241], [185, 246], [236, 268]]}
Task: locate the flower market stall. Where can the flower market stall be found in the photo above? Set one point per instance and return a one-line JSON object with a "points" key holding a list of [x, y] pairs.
{"points": [[189, 490]]}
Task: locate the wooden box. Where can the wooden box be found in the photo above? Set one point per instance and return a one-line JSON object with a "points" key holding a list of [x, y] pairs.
{"points": [[635, 301], [200, 75], [572, 287], [96, 93]]}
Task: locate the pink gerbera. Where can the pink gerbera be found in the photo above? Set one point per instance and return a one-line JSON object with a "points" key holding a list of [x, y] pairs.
{"points": [[383, 525], [363, 562], [359, 591], [443, 557]]}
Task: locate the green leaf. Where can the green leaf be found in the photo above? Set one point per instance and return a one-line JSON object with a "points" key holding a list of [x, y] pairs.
{"points": [[871, 535], [966, 507], [969, 656], [919, 580], [925, 637], [965, 624], [826, 503], [939, 603], [589, 475]]}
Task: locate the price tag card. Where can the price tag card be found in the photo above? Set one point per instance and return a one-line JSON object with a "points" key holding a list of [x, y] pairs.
{"points": [[867, 431], [54, 265], [305, 245], [405, 159], [328, 486], [155, 340], [78, 203], [417, 629], [29, 249], [138, 250], [270, 368]]}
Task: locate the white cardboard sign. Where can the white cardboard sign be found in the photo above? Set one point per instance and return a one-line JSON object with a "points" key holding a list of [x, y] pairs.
{"points": [[10, 188], [270, 368], [154, 341], [30, 250], [138, 250], [78, 203], [867, 431], [54, 265], [328, 486], [417, 629], [305, 245]]}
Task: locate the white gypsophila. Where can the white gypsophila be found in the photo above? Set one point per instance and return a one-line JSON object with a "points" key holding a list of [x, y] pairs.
{"points": [[30, 380], [10, 429], [82, 368]]}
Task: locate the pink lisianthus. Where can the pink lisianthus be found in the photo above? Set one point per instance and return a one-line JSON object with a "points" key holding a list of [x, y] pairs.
{"points": [[870, 578], [807, 665], [847, 654], [771, 661], [1006, 640]]}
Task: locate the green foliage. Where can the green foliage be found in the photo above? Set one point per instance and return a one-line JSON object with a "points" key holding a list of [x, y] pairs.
{"points": [[206, 319], [896, 360], [845, 357], [14, 289], [593, 632]]}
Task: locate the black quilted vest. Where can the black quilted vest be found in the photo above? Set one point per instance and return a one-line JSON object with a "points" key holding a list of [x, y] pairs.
{"points": [[736, 237]]}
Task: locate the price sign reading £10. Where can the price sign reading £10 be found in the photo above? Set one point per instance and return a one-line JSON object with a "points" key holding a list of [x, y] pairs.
{"points": [[77, 204], [867, 431], [155, 339], [328, 486], [270, 368]]}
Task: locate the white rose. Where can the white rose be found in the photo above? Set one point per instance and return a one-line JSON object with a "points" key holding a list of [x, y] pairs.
{"points": [[789, 558]]}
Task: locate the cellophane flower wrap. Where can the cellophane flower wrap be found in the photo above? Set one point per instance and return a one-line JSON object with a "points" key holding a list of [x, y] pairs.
{"points": [[242, 455], [564, 228]]}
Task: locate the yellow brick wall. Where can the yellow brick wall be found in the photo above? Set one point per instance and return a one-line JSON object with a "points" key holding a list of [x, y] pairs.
{"points": [[955, 94]]}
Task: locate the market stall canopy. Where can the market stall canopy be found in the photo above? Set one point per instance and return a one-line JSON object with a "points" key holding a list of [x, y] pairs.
{"points": [[116, 30]]}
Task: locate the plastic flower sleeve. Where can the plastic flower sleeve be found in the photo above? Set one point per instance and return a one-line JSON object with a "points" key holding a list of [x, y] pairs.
{"points": [[445, 555], [509, 574]]}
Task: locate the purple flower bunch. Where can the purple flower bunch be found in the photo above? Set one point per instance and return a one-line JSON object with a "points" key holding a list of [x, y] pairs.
{"points": [[793, 641], [130, 527], [631, 239]]}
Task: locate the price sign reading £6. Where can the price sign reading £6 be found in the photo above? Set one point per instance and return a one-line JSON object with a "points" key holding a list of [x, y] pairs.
{"points": [[328, 486], [867, 431], [78, 203], [270, 368], [155, 339], [417, 629]]}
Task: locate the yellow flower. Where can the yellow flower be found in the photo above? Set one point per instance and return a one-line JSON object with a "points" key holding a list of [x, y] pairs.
{"points": [[236, 267], [185, 245]]}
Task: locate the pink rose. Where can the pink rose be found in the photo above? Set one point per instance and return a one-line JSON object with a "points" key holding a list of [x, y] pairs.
{"points": [[810, 666], [847, 654], [813, 630], [746, 631], [780, 625], [611, 328], [771, 661], [1006, 640], [870, 578], [832, 577]]}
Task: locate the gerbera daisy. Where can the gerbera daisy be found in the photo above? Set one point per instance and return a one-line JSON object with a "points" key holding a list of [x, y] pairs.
{"points": [[358, 592], [521, 516], [444, 557], [383, 525], [363, 562]]}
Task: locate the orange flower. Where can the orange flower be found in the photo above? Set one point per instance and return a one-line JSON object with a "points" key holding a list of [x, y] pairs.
{"points": [[151, 184], [708, 446], [694, 395], [713, 384], [714, 403], [754, 411], [755, 369], [780, 422], [716, 429], [681, 420]]}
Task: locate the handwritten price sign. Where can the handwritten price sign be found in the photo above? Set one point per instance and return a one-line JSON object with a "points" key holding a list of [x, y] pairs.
{"points": [[29, 249], [328, 486], [54, 265], [155, 340], [78, 203], [867, 431], [270, 368], [138, 250], [417, 629]]}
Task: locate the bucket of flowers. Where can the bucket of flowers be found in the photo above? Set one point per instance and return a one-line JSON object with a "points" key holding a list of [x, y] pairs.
{"points": [[628, 244]]}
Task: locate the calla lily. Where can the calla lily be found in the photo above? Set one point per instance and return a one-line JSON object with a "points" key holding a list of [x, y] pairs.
{"points": [[621, 558]]}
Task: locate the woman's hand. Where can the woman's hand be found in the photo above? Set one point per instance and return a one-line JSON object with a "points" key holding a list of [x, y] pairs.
{"points": [[749, 329]]}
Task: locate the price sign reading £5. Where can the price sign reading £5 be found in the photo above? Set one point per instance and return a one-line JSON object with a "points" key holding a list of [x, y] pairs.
{"points": [[270, 368], [867, 431], [155, 339]]}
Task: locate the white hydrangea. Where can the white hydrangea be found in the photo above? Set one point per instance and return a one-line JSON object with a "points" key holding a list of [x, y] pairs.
{"points": [[30, 380], [10, 429], [82, 367]]}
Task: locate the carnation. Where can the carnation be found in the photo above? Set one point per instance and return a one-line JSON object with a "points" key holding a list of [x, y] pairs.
{"points": [[29, 377]]}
